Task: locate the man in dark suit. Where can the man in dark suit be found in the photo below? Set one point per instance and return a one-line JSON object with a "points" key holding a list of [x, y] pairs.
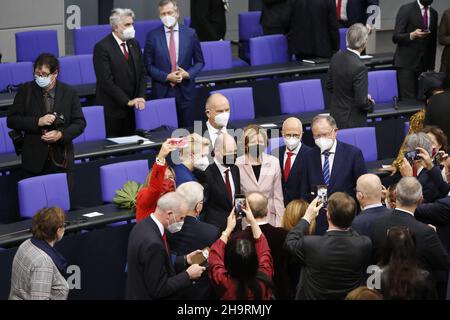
{"points": [[173, 58], [291, 158], [430, 252], [333, 264], [438, 112], [348, 82], [151, 273], [48, 114], [193, 235], [314, 30], [331, 163], [369, 195], [222, 182], [275, 16], [415, 34], [120, 72], [354, 11], [208, 19]]}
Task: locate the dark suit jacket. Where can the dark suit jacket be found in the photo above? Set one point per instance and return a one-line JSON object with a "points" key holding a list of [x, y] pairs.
{"points": [[410, 53], [430, 252], [348, 83], [333, 264], [291, 188], [433, 185], [275, 14], [357, 11], [314, 29], [157, 61], [117, 83], [438, 112], [218, 206], [348, 166], [208, 19], [25, 118], [364, 220], [151, 273]]}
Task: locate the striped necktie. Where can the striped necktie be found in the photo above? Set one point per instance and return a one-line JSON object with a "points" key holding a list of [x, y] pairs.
{"points": [[326, 168]]}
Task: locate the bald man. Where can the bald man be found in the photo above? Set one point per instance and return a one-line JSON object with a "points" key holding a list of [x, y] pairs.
{"points": [[369, 195], [217, 111], [290, 157], [221, 181]]}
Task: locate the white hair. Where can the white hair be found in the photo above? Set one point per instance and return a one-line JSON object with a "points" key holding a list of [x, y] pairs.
{"points": [[357, 36], [409, 191], [172, 201], [118, 14], [193, 193]]}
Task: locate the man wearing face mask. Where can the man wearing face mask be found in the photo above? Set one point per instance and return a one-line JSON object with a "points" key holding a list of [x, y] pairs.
{"points": [[217, 111], [221, 181], [48, 115], [291, 158], [193, 157], [119, 67], [331, 163], [173, 58], [415, 35]]}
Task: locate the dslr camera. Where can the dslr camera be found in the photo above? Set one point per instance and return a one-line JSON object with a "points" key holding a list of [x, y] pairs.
{"points": [[412, 155], [58, 124]]}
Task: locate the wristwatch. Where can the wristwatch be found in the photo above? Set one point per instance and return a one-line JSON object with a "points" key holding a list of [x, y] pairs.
{"points": [[160, 162]]}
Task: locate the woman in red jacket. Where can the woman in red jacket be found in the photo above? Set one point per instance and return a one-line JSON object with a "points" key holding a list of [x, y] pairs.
{"points": [[241, 269], [160, 180]]}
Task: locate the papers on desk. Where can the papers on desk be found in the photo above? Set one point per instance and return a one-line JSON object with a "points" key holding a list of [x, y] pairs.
{"points": [[269, 125], [93, 215], [130, 140], [366, 57], [316, 60]]}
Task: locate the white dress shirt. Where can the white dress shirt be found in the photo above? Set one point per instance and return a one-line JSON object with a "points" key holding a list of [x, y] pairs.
{"points": [[159, 224], [371, 206], [331, 157], [214, 133], [222, 170], [408, 212], [119, 43], [176, 34], [294, 156], [343, 13], [355, 52]]}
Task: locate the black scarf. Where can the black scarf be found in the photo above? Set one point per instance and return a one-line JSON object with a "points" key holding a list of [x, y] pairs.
{"points": [[57, 258]]}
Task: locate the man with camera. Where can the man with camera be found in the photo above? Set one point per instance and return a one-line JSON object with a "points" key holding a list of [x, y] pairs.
{"points": [[46, 116]]}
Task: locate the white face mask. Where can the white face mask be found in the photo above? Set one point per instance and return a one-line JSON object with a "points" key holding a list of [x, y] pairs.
{"points": [[129, 33], [222, 119], [169, 21], [175, 227], [292, 143], [43, 82], [324, 143], [201, 164]]}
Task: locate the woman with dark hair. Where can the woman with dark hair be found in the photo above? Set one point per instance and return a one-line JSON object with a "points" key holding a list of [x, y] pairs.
{"points": [[241, 269], [401, 277]]}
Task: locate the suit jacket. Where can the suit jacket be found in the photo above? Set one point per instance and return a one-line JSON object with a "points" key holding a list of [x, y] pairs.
{"points": [[291, 187], [348, 166], [151, 273], [314, 29], [117, 82], [444, 39], [348, 83], [208, 19], [433, 185], [269, 184], [430, 252], [25, 118], [333, 264], [217, 206], [437, 112], [411, 53], [364, 220], [357, 11], [275, 14], [157, 61]]}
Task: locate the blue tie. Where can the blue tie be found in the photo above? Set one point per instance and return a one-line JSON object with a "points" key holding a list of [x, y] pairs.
{"points": [[326, 168]]}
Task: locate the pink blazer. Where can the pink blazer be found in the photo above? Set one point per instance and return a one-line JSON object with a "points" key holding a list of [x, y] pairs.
{"points": [[269, 184]]}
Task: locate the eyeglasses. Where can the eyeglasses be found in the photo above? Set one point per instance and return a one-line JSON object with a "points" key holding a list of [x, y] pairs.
{"points": [[288, 136], [325, 135]]}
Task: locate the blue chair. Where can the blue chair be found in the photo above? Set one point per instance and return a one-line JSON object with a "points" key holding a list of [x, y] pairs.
{"points": [[406, 128], [114, 176], [343, 39], [383, 86], [363, 138], [86, 63], [241, 103], [30, 44], [217, 55], [249, 27], [6, 145], [274, 143], [187, 22], [14, 74], [95, 125], [143, 28], [76, 70], [41, 192], [157, 113], [301, 96], [85, 38], [269, 50]]}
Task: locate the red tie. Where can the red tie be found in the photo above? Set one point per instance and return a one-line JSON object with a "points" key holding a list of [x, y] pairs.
{"points": [[228, 185], [287, 166], [425, 18], [338, 9], [164, 237], [414, 172], [125, 51]]}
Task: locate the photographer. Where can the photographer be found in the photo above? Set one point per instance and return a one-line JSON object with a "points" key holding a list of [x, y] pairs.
{"points": [[46, 116]]}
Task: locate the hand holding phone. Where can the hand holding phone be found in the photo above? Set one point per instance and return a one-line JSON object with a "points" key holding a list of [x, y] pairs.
{"points": [[180, 143], [239, 204]]}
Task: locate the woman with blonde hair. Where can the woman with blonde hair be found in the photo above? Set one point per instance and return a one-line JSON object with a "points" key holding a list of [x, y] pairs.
{"points": [[295, 210]]}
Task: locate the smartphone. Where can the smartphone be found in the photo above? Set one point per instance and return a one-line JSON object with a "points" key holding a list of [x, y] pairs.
{"points": [[426, 30], [239, 204], [437, 159], [179, 142], [412, 155], [322, 193], [201, 258]]}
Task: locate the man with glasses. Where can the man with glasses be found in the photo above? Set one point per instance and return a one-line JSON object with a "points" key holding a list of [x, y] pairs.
{"points": [[333, 165]]}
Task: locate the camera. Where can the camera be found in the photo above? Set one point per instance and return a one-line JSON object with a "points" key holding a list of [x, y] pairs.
{"points": [[58, 124], [239, 204], [412, 155], [437, 159]]}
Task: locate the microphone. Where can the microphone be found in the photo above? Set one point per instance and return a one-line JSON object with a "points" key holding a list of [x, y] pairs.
{"points": [[117, 146], [395, 100]]}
